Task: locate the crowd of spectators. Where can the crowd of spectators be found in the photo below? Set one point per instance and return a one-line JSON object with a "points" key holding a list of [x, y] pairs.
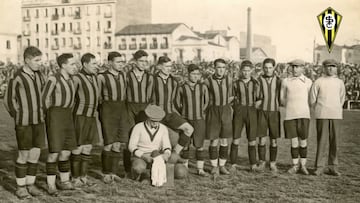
{"points": [[349, 73]]}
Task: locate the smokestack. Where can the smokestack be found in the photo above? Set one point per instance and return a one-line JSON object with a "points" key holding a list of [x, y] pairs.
{"points": [[249, 36]]}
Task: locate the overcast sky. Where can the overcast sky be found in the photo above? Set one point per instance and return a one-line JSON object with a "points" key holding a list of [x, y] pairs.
{"points": [[291, 24]]}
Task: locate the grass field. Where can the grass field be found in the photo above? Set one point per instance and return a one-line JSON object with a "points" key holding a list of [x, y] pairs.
{"points": [[240, 187]]}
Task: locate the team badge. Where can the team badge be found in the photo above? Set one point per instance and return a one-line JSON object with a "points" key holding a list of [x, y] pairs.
{"points": [[329, 21]]}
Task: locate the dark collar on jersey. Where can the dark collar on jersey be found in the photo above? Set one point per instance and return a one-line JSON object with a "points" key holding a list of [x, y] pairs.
{"points": [[85, 73], [159, 75], [216, 78], [265, 76]]}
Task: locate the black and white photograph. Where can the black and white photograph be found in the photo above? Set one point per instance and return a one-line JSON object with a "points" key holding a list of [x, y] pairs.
{"points": [[179, 101]]}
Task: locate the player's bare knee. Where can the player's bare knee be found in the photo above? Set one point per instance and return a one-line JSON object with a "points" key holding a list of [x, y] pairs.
{"points": [[34, 155], [236, 141], [303, 143], [108, 147], [52, 157], [86, 149], [295, 142], [273, 142], [116, 147], [252, 143], [187, 129], [64, 155], [214, 143], [262, 140], [77, 151], [22, 156], [224, 142]]}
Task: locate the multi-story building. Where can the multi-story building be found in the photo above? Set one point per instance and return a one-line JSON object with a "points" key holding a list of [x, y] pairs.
{"points": [[177, 41], [9, 47], [76, 26], [343, 54]]}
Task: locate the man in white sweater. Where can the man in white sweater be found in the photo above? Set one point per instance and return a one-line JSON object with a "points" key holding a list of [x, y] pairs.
{"points": [[328, 96], [148, 139], [294, 96]]}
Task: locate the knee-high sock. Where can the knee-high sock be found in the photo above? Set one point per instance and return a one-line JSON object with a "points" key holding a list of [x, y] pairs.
{"points": [[262, 152], [31, 173], [85, 162], [64, 169], [234, 153], [20, 173], [75, 165], [106, 161], [51, 173], [213, 155], [223, 155], [115, 158], [273, 153], [127, 160], [252, 154]]}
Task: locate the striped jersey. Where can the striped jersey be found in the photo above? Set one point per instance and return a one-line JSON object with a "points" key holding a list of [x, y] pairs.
{"points": [[220, 90], [58, 92], [270, 89], [23, 98], [164, 93], [192, 101], [86, 94], [112, 86], [247, 93], [139, 91]]}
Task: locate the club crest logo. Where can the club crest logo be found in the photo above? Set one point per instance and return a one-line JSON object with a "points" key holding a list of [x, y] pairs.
{"points": [[329, 21]]}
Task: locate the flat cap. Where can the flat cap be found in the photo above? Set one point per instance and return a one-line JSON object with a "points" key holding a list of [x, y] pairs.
{"points": [[329, 62], [155, 113], [297, 62]]}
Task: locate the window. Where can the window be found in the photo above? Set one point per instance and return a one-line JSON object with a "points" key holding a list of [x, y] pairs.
{"points": [[8, 45], [46, 42], [98, 26], [56, 27], [63, 12], [28, 42], [46, 12], [37, 13], [88, 25], [56, 12], [98, 41], [37, 42], [37, 28], [70, 11], [98, 10], [109, 24], [70, 41], [27, 13], [88, 41], [46, 57], [63, 27], [63, 42], [56, 41], [78, 40], [46, 28], [88, 10], [70, 27]]}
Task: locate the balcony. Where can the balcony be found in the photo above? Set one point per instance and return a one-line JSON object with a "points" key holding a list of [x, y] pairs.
{"points": [[77, 46], [55, 47], [132, 46], [164, 46], [26, 18], [153, 46], [107, 15], [55, 17], [26, 33], [107, 45], [122, 46], [54, 32], [143, 46], [77, 32], [107, 30]]}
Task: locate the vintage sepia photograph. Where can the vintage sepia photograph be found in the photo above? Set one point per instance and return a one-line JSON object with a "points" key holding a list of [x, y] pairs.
{"points": [[179, 101]]}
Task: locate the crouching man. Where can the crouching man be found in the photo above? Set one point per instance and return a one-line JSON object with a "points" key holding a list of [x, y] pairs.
{"points": [[147, 137]]}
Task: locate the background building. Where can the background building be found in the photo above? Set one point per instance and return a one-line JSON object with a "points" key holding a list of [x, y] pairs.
{"points": [[78, 26], [259, 41], [343, 54], [177, 41]]}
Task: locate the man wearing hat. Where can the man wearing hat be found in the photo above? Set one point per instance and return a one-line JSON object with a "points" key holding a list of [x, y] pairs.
{"points": [[294, 96], [328, 96], [147, 138]]}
